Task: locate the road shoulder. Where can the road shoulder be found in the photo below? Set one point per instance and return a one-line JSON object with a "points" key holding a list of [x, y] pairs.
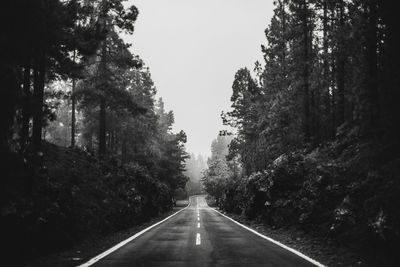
{"points": [[322, 250]]}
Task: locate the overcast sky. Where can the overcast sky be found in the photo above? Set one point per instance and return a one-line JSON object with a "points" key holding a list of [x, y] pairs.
{"points": [[193, 49]]}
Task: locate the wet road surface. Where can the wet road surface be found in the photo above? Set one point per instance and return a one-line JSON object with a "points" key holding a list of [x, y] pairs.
{"points": [[200, 236]]}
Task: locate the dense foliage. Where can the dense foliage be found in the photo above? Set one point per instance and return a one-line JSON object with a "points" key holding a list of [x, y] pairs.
{"points": [[317, 129], [78, 198], [320, 79]]}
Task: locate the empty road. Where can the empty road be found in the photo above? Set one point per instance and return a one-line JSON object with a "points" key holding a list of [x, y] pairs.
{"points": [[200, 236]]}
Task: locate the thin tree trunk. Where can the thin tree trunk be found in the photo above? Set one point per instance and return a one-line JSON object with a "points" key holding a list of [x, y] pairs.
{"points": [[89, 142], [103, 69], [283, 60], [113, 141], [326, 77], [109, 141], [26, 113], [73, 100], [372, 108], [38, 92], [102, 127], [306, 104], [108, 138], [391, 64], [123, 148], [332, 79], [340, 68]]}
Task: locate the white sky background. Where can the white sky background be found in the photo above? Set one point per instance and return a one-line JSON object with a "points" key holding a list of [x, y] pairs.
{"points": [[193, 49]]}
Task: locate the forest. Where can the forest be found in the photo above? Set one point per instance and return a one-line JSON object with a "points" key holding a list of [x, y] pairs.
{"points": [[313, 132], [86, 148], [310, 143]]}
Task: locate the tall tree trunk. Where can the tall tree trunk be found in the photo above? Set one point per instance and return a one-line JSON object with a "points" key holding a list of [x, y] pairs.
{"points": [[73, 100], [116, 142], [391, 65], [332, 76], [124, 147], [89, 142], [326, 76], [112, 141], [38, 91], [340, 113], [306, 104], [283, 60], [372, 110], [325, 67], [334, 95], [108, 140], [102, 127], [26, 113], [103, 69]]}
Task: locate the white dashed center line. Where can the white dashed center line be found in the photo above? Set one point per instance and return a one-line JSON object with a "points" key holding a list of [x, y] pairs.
{"points": [[198, 239]]}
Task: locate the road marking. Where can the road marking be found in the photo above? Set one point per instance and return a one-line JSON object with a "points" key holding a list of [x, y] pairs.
{"points": [[123, 243], [198, 218], [298, 253], [198, 225], [198, 239]]}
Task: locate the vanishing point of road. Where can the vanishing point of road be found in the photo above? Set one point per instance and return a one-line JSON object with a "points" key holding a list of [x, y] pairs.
{"points": [[200, 236]]}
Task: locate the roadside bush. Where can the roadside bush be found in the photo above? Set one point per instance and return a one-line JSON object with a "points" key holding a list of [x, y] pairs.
{"points": [[331, 191], [76, 198]]}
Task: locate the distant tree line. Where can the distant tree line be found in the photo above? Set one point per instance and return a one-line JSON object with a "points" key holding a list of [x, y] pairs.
{"points": [[194, 167]]}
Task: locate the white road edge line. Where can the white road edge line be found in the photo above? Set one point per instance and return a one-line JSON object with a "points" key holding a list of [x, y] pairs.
{"points": [[129, 239], [298, 253], [198, 239]]}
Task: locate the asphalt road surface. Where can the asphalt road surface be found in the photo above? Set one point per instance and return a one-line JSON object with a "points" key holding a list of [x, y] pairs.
{"points": [[200, 236]]}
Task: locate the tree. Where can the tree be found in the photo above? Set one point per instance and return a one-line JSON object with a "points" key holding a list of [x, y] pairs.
{"points": [[245, 107], [42, 54], [218, 174], [323, 63], [112, 14]]}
